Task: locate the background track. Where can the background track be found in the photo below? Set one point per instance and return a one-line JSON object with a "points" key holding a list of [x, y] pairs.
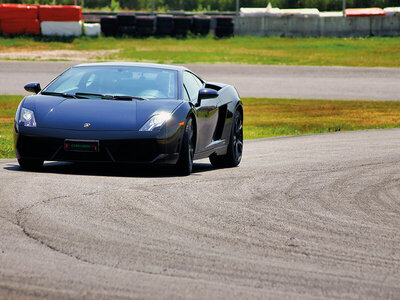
{"points": [[344, 83]]}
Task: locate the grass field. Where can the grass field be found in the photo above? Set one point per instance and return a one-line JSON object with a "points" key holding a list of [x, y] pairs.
{"points": [[8, 106], [365, 52], [279, 117], [269, 117]]}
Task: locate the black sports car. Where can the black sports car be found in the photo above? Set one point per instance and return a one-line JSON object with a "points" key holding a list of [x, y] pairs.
{"points": [[130, 113]]}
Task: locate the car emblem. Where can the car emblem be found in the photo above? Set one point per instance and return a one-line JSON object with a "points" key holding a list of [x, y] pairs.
{"points": [[86, 125]]}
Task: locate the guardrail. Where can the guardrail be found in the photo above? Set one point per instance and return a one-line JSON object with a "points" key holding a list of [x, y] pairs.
{"points": [[293, 26], [312, 23]]}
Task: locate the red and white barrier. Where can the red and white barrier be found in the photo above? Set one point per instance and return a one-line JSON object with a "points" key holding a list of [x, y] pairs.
{"points": [[62, 13], [60, 28], [20, 26], [392, 11], [364, 12], [18, 11], [19, 19], [330, 14], [91, 29], [60, 20]]}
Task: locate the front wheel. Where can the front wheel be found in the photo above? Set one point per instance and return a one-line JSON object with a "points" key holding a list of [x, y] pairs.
{"points": [[30, 164], [184, 165], [235, 148]]}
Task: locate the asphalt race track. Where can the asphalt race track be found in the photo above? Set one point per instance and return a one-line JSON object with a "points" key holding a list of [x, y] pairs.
{"points": [[314, 216], [251, 81]]}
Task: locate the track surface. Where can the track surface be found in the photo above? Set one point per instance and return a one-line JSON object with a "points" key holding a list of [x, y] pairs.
{"points": [[302, 217], [251, 81]]}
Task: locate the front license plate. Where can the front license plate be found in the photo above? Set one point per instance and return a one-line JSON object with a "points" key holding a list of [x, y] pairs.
{"points": [[81, 146]]}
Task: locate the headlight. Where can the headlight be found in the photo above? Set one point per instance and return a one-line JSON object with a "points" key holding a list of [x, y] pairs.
{"points": [[27, 118], [155, 122]]}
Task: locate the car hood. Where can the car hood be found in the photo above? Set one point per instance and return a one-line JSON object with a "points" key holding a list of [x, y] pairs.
{"points": [[73, 114]]}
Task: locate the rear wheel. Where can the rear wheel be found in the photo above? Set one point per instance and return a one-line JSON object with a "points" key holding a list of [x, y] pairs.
{"points": [[30, 164], [184, 165], [235, 148]]}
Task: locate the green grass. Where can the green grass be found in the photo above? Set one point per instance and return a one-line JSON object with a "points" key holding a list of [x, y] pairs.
{"points": [[363, 52], [279, 117], [268, 117], [8, 106]]}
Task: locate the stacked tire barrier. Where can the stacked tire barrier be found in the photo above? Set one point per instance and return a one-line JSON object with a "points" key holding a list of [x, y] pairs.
{"points": [[224, 27], [91, 29], [48, 20], [164, 25], [145, 26], [18, 19], [126, 25], [182, 25], [201, 25], [60, 13], [66, 20], [60, 20], [109, 26]]}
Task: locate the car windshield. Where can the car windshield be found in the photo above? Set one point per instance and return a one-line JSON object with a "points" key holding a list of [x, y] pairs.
{"points": [[118, 81]]}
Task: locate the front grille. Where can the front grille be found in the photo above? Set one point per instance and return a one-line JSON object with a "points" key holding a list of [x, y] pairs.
{"points": [[100, 156], [133, 150], [38, 147], [110, 150]]}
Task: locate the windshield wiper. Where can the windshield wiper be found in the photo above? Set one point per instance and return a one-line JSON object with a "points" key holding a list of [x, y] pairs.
{"points": [[122, 97], [65, 95], [111, 97], [89, 94]]}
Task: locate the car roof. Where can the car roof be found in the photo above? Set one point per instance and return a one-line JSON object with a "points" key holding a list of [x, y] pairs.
{"points": [[131, 64]]}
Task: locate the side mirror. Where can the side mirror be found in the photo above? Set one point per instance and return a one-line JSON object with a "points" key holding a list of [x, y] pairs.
{"points": [[33, 87], [206, 94]]}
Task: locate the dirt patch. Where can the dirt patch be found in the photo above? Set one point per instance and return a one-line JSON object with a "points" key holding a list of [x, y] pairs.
{"points": [[73, 55]]}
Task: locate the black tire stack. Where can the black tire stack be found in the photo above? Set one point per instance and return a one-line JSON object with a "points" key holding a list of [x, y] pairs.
{"points": [[182, 25], [126, 25], [109, 26], [145, 26], [201, 25], [165, 25], [224, 27]]}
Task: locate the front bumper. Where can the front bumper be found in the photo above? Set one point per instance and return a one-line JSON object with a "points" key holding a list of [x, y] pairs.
{"points": [[114, 147]]}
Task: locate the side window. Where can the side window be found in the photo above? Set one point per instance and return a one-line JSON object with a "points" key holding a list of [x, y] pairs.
{"points": [[198, 82], [192, 84], [185, 94]]}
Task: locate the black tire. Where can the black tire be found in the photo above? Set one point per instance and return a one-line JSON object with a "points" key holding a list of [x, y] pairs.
{"points": [[126, 20], [184, 165], [144, 31], [201, 25], [222, 21], [182, 25], [109, 26], [165, 25], [30, 164], [235, 148], [145, 26], [145, 21], [224, 27], [127, 30], [222, 32]]}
